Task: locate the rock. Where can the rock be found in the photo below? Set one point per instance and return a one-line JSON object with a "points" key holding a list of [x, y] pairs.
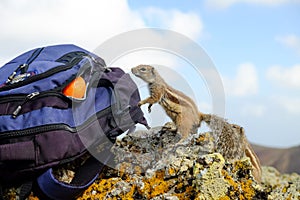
{"points": [[151, 165], [154, 166], [281, 186], [209, 182]]}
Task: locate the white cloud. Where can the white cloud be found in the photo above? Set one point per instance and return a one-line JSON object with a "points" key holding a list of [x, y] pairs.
{"points": [[32, 23], [286, 77], [244, 84], [87, 23], [290, 104], [205, 107], [227, 3], [253, 110], [145, 56], [189, 24], [292, 41]]}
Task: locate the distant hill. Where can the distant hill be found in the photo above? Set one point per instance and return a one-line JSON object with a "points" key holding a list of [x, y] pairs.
{"points": [[284, 160]]}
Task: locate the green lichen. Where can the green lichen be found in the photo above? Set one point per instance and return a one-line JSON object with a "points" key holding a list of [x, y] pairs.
{"points": [[209, 182]]}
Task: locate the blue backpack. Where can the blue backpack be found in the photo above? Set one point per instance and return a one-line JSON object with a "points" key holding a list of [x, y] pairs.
{"points": [[41, 127]]}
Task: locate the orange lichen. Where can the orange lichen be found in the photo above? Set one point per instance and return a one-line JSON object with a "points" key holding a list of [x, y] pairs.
{"points": [[124, 168], [128, 195], [155, 185], [99, 189], [242, 189], [32, 197], [289, 197], [242, 167], [172, 171], [11, 194], [247, 188], [187, 192], [202, 138], [103, 188], [138, 170], [231, 182]]}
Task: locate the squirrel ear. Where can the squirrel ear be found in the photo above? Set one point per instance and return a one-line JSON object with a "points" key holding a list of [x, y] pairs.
{"points": [[152, 70], [242, 130]]}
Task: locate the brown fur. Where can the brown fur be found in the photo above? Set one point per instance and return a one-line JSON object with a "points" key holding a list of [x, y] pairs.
{"points": [[179, 107], [232, 143]]}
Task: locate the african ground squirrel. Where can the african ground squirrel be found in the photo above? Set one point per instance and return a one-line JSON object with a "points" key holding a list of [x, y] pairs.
{"points": [[232, 143], [179, 107]]}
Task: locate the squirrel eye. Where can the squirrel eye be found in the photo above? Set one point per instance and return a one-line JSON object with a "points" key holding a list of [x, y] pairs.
{"points": [[143, 69]]}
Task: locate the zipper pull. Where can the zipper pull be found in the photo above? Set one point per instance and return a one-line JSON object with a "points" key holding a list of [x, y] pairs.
{"points": [[24, 67], [31, 95], [13, 75], [16, 112], [19, 108]]}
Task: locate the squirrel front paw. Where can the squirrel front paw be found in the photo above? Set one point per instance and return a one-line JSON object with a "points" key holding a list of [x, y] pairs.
{"points": [[140, 104], [149, 108]]}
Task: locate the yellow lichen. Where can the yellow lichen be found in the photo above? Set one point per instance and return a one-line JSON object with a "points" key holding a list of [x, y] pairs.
{"points": [[225, 198], [284, 190], [155, 185]]}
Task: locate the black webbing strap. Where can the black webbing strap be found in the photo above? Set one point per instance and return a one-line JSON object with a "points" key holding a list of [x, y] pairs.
{"points": [[25, 190]]}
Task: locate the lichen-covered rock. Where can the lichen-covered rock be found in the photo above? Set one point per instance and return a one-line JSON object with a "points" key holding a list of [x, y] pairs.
{"points": [[281, 186], [151, 165], [209, 181]]}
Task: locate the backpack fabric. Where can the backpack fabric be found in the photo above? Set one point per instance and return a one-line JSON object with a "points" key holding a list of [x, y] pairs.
{"points": [[41, 127]]}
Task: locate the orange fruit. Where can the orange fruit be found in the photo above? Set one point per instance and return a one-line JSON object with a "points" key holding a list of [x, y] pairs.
{"points": [[76, 88]]}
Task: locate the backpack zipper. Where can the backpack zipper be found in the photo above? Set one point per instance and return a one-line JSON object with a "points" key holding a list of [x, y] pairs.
{"points": [[52, 127], [35, 130], [26, 98], [24, 67], [50, 72]]}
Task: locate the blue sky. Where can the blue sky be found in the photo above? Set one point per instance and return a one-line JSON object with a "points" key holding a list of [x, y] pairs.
{"points": [[255, 46]]}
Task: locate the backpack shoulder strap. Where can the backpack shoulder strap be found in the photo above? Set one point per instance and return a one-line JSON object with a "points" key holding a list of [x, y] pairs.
{"points": [[50, 187]]}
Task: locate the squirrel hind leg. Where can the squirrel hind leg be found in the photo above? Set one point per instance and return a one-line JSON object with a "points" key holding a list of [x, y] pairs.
{"points": [[205, 117], [185, 129]]}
